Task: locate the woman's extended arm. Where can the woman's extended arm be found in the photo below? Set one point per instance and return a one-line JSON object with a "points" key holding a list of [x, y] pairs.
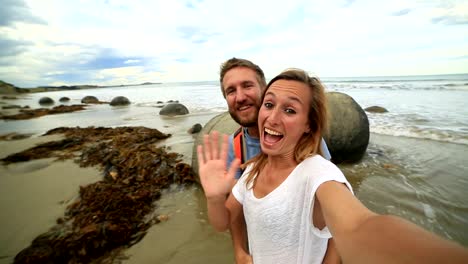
{"points": [[362, 236], [238, 231], [331, 256], [215, 180]]}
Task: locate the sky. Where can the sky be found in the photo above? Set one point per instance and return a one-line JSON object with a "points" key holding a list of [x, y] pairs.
{"points": [[106, 42]]}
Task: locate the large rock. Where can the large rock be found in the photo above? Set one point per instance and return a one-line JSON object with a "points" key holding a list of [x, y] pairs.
{"points": [[376, 109], [174, 109], [347, 139], [46, 101], [89, 100], [195, 129], [120, 100], [348, 128], [222, 123]]}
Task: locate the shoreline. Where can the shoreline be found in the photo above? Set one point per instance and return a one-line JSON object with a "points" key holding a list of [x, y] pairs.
{"points": [[8, 89]]}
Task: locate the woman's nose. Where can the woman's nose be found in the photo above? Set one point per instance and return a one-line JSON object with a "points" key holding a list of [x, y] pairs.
{"points": [[274, 115]]}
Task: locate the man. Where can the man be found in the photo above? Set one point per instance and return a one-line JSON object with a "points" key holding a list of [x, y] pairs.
{"points": [[242, 84]]}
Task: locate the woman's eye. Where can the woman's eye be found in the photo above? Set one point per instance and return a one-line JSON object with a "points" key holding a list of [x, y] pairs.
{"points": [[268, 105], [290, 111]]}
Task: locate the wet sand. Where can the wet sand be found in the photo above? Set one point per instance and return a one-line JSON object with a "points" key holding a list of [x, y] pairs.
{"points": [[186, 237], [34, 194]]}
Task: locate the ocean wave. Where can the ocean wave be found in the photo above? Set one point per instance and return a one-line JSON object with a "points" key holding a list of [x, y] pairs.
{"points": [[414, 78], [422, 133], [397, 87]]}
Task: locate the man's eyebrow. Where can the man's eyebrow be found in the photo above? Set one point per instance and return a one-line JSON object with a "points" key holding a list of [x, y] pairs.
{"points": [[247, 82]]}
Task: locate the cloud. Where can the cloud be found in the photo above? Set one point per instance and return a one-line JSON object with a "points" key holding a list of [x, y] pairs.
{"points": [[465, 57], [195, 34], [131, 61], [451, 20], [17, 11], [10, 47], [450, 13], [402, 12], [348, 3], [106, 58], [105, 42]]}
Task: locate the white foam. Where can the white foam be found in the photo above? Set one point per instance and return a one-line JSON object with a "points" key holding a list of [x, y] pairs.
{"points": [[428, 211]]}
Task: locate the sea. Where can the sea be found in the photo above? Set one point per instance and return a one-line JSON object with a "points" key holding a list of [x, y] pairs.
{"points": [[415, 167]]}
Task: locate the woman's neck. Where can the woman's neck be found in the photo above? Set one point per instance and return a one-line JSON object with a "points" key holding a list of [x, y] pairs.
{"points": [[281, 162]]}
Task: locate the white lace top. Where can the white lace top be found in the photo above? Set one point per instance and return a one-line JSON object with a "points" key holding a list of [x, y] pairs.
{"points": [[279, 225]]}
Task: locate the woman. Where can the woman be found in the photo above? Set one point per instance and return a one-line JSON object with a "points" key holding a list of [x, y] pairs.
{"points": [[293, 200]]}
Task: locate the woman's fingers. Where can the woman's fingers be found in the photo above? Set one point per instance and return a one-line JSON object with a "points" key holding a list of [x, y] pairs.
{"points": [[214, 144], [224, 148], [233, 168], [207, 147], [200, 156]]}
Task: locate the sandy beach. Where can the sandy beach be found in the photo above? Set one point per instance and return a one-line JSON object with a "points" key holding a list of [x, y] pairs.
{"points": [[420, 179], [34, 194]]}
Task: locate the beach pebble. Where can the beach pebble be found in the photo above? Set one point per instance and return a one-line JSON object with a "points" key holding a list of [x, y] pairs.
{"points": [[114, 174], [162, 217], [46, 101]]}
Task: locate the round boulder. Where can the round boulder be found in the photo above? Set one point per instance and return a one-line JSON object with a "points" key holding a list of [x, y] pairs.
{"points": [[174, 109], [46, 101], [64, 99], [348, 128], [89, 100], [195, 129], [120, 100], [376, 109], [222, 123]]}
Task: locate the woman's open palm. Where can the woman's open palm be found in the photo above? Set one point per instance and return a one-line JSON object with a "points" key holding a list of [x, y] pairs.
{"points": [[215, 180]]}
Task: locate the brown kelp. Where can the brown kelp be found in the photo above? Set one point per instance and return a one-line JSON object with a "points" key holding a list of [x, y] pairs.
{"points": [[33, 113], [113, 213]]}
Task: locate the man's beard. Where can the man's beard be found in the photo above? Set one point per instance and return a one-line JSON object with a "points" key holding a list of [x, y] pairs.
{"points": [[250, 122]]}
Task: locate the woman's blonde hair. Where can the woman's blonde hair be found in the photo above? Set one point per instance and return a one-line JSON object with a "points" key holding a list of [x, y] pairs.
{"points": [[309, 143]]}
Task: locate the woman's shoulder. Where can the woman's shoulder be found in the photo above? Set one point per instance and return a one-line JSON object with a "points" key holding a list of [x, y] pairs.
{"points": [[320, 165], [317, 160]]}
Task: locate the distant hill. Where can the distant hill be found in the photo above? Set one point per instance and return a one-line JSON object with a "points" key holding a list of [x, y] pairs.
{"points": [[8, 88]]}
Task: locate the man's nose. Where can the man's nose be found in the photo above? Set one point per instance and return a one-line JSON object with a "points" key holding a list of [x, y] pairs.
{"points": [[241, 96]]}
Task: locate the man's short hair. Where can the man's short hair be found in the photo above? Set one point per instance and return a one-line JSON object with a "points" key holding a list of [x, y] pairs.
{"points": [[235, 62]]}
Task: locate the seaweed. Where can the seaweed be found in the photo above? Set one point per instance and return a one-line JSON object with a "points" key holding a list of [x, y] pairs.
{"points": [[115, 212]]}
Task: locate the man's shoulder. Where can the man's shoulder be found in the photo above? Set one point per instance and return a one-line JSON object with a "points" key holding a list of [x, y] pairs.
{"points": [[238, 132]]}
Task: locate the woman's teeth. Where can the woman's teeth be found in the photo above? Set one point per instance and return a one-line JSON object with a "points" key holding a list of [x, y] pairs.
{"points": [[272, 132]]}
